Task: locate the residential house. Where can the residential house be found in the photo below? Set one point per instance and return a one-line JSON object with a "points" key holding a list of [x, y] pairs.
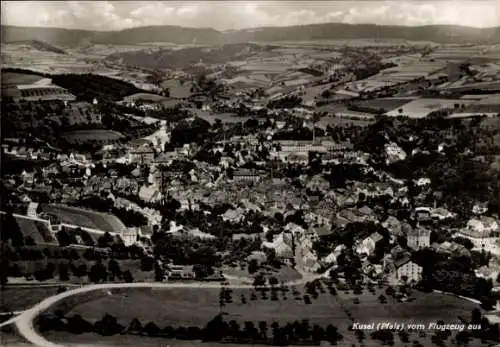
{"points": [[418, 238], [52, 169], [32, 210], [408, 271], [332, 257], [423, 214], [441, 214], [28, 177], [346, 216], [184, 272], [483, 232], [246, 175], [150, 193], [129, 236], [394, 226], [451, 249], [368, 245], [234, 215], [403, 270], [144, 154], [480, 208], [282, 244]]}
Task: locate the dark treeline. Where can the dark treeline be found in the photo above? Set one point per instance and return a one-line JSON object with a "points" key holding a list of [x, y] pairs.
{"points": [[217, 329]]}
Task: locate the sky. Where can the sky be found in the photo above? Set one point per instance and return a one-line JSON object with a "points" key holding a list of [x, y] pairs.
{"points": [[230, 15]]}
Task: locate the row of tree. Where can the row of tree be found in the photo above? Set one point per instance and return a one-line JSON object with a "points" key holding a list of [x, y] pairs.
{"points": [[217, 329]]}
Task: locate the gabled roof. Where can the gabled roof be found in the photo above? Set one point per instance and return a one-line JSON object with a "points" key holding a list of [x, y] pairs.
{"points": [[376, 237], [402, 261]]}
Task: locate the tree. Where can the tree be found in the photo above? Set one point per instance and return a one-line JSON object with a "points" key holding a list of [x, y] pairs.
{"points": [[316, 117], [151, 329], [114, 269], [215, 329], [259, 281], [307, 300], [273, 281], [29, 241], [98, 273], [253, 266], [332, 334], [317, 334], [77, 325], [390, 291], [79, 270], [147, 263], [63, 272], [263, 330], [127, 277], [159, 273], [135, 327], [10, 230], [108, 325], [105, 241], [65, 238]]}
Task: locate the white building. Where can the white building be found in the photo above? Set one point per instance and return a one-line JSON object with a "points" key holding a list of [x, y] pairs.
{"points": [[418, 238], [368, 245], [129, 236], [409, 271]]}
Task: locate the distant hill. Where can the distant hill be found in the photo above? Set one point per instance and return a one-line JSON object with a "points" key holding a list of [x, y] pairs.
{"points": [[181, 35], [52, 36], [168, 33], [41, 46], [183, 57]]}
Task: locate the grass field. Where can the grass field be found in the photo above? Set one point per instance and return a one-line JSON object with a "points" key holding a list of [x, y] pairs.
{"points": [[36, 230], [85, 218], [285, 273], [15, 298], [190, 306], [92, 135], [93, 340], [346, 121], [420, 108], [383, 103], [15, 78]]}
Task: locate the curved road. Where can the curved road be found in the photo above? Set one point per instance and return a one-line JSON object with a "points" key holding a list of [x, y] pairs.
{"points": [[24, 321]]}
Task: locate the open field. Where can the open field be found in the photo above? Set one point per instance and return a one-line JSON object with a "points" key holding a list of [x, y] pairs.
{"points": [[347, 121], [21, 294], [177, 90], [85, 218], [144, 97], [92, 135], [15, 298], [383, 103], [285, 273], [224, 117], [93, 340], [14, 78], [420, 108], [37, 230], [194, 306]]}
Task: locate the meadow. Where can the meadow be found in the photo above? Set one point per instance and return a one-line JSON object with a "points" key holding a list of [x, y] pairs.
{"points": [[14, 78], [420, 108], [85, 218], [38, 231], [195, 306], [92, 135]]}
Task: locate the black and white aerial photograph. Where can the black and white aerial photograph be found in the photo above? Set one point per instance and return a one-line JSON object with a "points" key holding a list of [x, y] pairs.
{"points": [[250, 173]]}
